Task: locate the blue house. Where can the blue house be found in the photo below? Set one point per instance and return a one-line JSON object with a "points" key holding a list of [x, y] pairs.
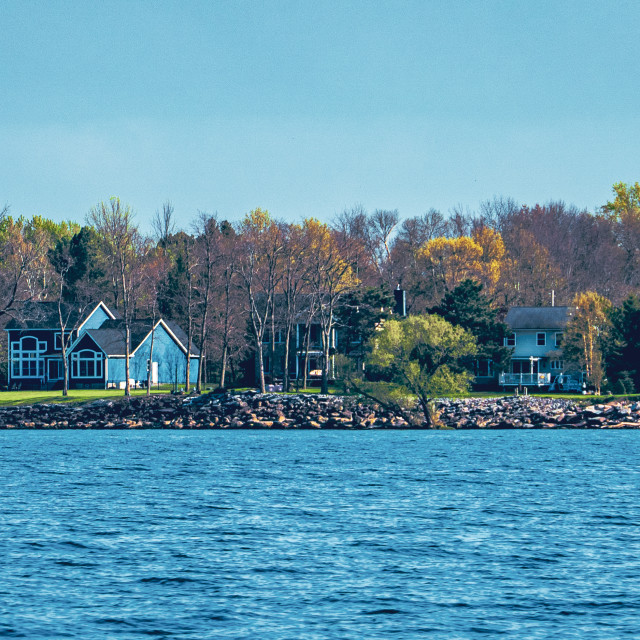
{"points": [[96, 351]]}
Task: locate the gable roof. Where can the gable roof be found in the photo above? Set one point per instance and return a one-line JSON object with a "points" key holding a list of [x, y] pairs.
{"points": [[101, 305], [110, 337], [538, 317]]}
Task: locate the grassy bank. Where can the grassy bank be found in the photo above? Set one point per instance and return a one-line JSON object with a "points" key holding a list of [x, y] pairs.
{"points": [[16, 398]]}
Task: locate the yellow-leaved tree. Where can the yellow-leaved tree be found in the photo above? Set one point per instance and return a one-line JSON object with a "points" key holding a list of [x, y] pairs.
{"points": [[585, 337], [446, 262], [330, 277], [624, 212]]}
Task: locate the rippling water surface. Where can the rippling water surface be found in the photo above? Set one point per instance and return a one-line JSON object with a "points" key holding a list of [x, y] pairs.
{"points": [[301, 535]]}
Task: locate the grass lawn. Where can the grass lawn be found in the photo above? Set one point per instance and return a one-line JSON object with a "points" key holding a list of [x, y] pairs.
{"points": [[15, 398], [78, 396]]}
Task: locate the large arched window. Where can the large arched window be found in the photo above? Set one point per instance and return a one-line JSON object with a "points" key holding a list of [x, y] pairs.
{"points": [[26, 358], [86, 364]]}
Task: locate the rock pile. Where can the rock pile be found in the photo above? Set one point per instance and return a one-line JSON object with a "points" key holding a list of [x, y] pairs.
{"points": [[211, 411], [251, 410], [527, 412]]}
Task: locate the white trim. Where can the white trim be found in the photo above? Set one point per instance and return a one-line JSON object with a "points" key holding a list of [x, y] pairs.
{"points": [[171, 334], [105, 309], [97, 365], [20, 357], [71, 347]]}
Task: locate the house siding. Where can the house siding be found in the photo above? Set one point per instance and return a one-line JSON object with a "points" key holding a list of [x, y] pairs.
{"points": [[527, 343], [171, 359]]}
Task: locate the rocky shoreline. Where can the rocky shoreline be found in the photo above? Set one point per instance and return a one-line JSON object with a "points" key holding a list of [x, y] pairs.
{"points": [[251, 410]]}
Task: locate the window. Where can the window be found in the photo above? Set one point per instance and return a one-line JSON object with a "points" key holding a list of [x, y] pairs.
{"points": [[510, 340], [541, 339], [559, 336], [266, 336], [57, 342], [484, 368], [86, 364], [26, 358], [556, 364]]}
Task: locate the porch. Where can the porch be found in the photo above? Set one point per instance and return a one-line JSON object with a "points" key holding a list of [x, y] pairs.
{"points": [[524, 379]]}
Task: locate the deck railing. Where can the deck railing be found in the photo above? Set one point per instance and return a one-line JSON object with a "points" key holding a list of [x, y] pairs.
{"points": [[525, 379]]}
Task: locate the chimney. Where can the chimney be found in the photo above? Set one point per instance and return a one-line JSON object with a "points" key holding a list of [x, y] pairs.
{"points": [[401, 302]]}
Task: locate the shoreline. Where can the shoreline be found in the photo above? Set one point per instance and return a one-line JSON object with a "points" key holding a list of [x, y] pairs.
{"points": [[252, 410]]}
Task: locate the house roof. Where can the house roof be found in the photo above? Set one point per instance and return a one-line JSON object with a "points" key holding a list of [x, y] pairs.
{"points": [[44, 315], [538, 317], [110, 337]]}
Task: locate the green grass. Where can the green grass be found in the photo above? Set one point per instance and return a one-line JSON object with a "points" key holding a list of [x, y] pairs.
{"points": [[76, 396]]}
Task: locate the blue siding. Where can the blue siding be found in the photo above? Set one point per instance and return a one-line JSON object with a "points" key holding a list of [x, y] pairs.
{"points": [[171, 360], [115, 370], [95, 320]]}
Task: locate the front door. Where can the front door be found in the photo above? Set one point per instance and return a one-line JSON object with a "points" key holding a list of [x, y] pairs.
{"points": [[55, 370]]}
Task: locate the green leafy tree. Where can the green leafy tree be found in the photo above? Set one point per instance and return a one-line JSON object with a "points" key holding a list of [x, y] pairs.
{"points": [[421, 356]]}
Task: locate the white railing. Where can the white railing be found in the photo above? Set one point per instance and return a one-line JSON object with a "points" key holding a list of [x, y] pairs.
{"points": [[525, 379]]}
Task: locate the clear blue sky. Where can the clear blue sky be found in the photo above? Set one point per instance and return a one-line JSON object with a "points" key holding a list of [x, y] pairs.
{"points": [[307, 108]]}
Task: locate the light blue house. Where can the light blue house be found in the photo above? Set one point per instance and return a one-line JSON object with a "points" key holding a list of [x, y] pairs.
{"points": [[98, 357], [96, 353], [536, 339]]}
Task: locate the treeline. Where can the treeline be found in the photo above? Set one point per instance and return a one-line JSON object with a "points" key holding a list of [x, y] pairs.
{"points": [[233, 286]]}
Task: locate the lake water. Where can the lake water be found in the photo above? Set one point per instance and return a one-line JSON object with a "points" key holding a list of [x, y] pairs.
{"points": [[319, 535]]}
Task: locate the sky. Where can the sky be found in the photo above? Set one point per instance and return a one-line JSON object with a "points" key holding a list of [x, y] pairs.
{"points": [[310, 108]]}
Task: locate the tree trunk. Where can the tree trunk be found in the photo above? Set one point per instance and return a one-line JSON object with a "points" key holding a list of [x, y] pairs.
{"points": [[65, 369], [150, 366], [307, 338], [285, 372], [127, 351], [263, 388], [223, 368], [326, 342]]}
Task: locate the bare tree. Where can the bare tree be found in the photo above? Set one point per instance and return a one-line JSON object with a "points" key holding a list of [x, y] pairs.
{"points": [[23, 263], [208, 242], [259, 269], [381, 225], [330, 278], [122, 246], [163, 224], [70, 306]]}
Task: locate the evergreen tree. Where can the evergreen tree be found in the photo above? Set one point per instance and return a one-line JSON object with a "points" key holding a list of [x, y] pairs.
{"points": [[467, 307], [623, 362]]}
